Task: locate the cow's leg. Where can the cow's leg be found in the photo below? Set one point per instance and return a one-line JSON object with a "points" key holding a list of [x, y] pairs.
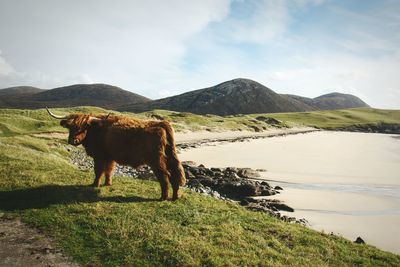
{"points": [[109, 167], [98, 172], [175, 188], [163, 177]]}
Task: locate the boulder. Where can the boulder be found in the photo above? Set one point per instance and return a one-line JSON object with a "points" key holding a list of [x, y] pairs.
{"points": [[281, 206], [359, 240], [189, 163], [248, 173]]}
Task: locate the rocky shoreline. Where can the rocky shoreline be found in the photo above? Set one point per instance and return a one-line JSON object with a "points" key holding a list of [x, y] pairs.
{"points": [[241, 185], [385, 128]]}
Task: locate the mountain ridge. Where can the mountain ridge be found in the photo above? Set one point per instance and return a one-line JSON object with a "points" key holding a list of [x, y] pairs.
{"points": [[101, 95], [244, 96], [237, 96]]}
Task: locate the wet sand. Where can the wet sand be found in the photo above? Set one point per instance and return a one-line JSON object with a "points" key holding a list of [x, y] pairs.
{"points": [[346, 183]]}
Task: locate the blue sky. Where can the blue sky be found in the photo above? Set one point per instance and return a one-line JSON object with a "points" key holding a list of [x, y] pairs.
{"points": [[161, 48]]}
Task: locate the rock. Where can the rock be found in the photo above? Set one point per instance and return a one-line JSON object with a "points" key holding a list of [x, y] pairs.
{"points": [[189, 175], [278, 188], [267, 193], [261, 170], [248, 173], [216, 169], [359, 240], [231, 176], [194, 183], [245, 190], [189, 163], [303, 222], [231, 169], [281, 206], [265, 184], [253, 200], [244, 202], [215, 194], [205, 180]]}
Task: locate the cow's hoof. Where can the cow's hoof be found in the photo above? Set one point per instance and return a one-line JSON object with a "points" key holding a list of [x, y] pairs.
{"points": [[107, 184]]}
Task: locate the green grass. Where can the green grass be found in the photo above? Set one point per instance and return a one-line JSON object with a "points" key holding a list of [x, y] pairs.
{"points": [[125, 225], [16, 122], [333, 119]]}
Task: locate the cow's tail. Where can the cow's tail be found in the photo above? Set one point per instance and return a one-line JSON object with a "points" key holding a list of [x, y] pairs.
{"points": [[174, 165]]}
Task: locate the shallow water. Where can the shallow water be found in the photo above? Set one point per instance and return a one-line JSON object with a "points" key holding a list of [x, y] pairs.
{"points": [[346, 183]]}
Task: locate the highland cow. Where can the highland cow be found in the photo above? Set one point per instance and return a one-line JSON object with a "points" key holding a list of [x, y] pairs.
{"points": [[110, 139]]}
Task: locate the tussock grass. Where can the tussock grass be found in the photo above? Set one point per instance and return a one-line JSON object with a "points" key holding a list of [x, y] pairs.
{"points": [[332, 119], [125, 225], [16, 122]]}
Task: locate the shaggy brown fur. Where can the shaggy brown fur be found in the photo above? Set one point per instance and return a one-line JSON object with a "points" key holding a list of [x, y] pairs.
{"points": [[127, 141]]}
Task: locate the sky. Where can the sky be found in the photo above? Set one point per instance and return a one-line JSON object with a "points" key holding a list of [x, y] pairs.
{"points": [[160, 48]]}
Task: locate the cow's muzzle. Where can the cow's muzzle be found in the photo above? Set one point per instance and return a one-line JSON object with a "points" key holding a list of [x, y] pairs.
{"points": [[74, 142]]}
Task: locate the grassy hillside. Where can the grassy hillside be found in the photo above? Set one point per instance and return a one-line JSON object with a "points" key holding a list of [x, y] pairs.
{"points": [[244, 96], [238, 96], [99, 95], [125, 225], [329, 101], [334, 119], [14, 121]]}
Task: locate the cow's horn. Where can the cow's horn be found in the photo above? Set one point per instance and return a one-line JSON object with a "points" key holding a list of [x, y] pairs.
{"points": [[91, 119], [55, 116]]}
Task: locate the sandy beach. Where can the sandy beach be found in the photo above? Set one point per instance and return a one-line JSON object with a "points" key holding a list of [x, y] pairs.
{"points": [[345, 183], [191, 137]]}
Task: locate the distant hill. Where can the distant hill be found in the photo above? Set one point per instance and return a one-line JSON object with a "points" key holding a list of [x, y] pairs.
{"points": [[19, 90], [100, 95], [238, 96], [338, 101], [244, 96], [330, 101]]}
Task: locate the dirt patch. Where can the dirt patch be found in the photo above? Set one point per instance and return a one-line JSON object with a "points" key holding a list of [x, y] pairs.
{"points": [[21, 245]]}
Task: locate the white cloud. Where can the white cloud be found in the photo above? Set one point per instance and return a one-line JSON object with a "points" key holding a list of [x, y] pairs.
{"points": [[303, 3], [267, 21], [160, 48], [5, 67], [123, 43]]}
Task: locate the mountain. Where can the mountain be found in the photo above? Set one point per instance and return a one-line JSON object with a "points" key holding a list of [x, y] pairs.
{"points": [[338, 101], [330, 101], [238, 96], [101, 95], [244, 96], [20, 90]]}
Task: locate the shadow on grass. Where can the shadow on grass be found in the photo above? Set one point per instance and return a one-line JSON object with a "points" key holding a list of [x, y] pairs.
{"points": [[44, 196]]}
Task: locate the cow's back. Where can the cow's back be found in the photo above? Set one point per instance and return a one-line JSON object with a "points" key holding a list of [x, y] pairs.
{"points": [[134, 142]]}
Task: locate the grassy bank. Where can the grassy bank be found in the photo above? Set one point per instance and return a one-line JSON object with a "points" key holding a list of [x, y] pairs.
{"points": [[14, 122], [125, 225]]}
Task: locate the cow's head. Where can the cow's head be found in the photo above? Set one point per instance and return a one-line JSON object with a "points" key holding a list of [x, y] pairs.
{"points": [[78, 125]]}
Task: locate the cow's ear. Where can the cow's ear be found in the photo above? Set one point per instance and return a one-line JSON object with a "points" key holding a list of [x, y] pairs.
{"points": [[63, 123]]}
